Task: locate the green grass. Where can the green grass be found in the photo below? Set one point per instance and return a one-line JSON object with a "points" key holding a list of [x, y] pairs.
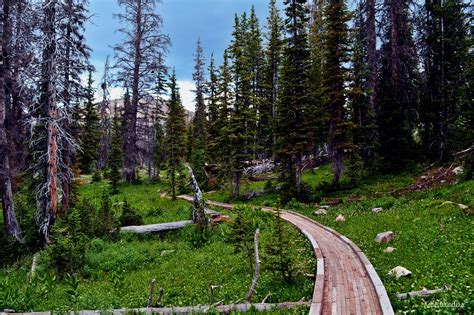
{"points": [[117, 273], [145, 197], [432, 240]]}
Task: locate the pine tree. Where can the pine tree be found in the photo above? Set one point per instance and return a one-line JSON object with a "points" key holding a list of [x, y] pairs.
{"points": [[278, 257], [397, 88], [175, 131], [213, 104], [159, 148], [292, 131], [258, 109], [317, 115], [115, 160], [224, 149], [336, 54], [242, 118], [361, 95], [199, 154], [91, 131], [444, 118], [273, 54], [104, 114]]}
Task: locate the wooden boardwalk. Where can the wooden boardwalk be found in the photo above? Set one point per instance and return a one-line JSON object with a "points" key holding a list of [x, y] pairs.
{"points": [[346, 282]]}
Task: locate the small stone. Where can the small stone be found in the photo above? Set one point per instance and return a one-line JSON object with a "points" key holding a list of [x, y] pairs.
{"points": [[384, 237], [399, 271], [377, 210], [167, 252], [340, 218], [389, 250], [325, 206], [424, 177], [320, 212], [442, 181], [462, 207]]}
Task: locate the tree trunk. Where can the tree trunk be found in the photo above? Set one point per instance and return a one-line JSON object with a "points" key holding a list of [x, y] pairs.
{"points": [[257, 268], [50, 106], [236, 193], [371, 52], [9, 218]]}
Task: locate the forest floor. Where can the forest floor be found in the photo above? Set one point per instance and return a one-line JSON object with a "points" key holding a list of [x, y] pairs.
{"points": [[117, 273], [433, 235], [433, 239]]}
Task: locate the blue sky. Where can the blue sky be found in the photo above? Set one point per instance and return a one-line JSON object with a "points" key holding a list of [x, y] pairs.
{"points": [[184, 22]]}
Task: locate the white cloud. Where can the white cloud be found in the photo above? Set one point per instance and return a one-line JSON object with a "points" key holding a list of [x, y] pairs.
{"points": [[187, 97]]}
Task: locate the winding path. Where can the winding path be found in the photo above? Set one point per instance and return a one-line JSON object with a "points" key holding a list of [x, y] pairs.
{"points": [[346, 282]]}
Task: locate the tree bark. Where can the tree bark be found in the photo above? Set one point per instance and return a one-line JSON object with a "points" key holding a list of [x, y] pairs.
{"points": [[50, 106], [9, 218], [257, 268]]}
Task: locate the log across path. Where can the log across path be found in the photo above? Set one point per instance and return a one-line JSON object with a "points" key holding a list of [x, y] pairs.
{"points": [[346, 282]]}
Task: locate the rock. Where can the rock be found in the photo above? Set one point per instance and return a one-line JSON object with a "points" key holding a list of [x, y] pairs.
{"points": [[340, 218], [325, 206], [320, 212], [458, 170], [167, 252], [377, 210], [384, 237], [462, 207], [389, 250], [399, 271]]}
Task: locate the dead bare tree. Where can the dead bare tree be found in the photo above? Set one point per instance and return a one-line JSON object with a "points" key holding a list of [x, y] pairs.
{"points": [[257, 268], [137, 60]]}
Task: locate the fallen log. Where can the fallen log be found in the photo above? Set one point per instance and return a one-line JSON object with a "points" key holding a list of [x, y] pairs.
{"points": [[424, 292], [155, 228], [243, 307]]}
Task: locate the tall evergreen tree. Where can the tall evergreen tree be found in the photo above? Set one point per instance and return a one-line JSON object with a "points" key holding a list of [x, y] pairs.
{"points": [[91, 131], [159, 148], [213, 104], [445, 124], [318, 114], [199, 154], [104, 114], [397, 89], [292, 131], [336, 41], [258, 109], [175, 132], [273, 55], [73, 61], [360, 94], [224, 149], [242, 119], [115, 158]]}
